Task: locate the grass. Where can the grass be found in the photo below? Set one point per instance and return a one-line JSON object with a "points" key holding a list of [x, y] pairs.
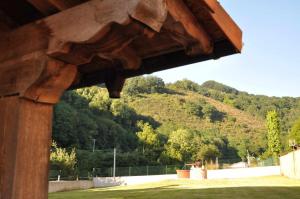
{"points": [[251, 188]]}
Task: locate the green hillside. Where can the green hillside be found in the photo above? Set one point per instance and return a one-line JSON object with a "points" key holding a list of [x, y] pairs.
{"points": [[171, 109], [157, 123]]}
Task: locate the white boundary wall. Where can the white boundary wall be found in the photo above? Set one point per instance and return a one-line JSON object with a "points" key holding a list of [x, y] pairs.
{"points": [[134, 180], [290, 165], [131, 180], [243, 172], [56, 186]]}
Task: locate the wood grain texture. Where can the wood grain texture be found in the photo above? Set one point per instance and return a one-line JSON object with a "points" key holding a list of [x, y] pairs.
{"points": [[54, 80], [25, 129], [36, 77]]}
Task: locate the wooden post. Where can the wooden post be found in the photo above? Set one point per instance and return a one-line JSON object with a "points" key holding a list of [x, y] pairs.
{"points": [[27, 98], [25, 135]]}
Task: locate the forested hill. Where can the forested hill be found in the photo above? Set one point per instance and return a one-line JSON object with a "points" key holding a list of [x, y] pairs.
{"points": [[166, 123]]}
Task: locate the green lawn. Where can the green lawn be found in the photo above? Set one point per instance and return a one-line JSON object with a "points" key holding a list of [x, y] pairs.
{"points": [[254, 188]]}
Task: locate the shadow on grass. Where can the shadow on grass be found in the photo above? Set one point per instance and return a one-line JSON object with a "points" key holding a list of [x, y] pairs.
{"points": [[174, 192]]}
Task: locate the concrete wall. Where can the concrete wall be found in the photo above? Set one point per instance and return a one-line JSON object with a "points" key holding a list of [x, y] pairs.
{"points": [[290, 165], [131, 180], [55, 186], [243, 172], [134, 180]]}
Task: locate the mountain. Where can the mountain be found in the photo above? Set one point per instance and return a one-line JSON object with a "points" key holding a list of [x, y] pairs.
{"points": [[158, 123]]}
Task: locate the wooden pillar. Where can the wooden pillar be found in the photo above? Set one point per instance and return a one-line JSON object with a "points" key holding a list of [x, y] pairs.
{"points": [[25, 135], [29, 88]]}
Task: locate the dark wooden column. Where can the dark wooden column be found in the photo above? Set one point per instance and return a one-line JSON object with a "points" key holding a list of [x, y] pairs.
{"points": [[29, 88], [25, 135]]}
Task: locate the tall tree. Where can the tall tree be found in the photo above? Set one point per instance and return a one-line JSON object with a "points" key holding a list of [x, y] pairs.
{"points": [[273, 126]]}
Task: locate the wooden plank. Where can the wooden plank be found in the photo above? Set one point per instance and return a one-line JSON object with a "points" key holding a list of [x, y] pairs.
{"points": [[25, 127], [225, 23]]}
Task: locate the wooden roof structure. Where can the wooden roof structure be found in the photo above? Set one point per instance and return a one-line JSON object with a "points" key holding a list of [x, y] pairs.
{"points": [[48, 46]]}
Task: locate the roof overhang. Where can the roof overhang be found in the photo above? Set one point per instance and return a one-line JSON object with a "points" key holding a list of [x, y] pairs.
{"points": [[110, 40]]}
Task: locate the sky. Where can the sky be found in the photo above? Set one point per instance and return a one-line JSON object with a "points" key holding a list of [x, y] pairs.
{"points": [[270, 60]]}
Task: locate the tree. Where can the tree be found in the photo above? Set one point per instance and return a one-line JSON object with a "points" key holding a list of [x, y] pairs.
{"points": [[64, 125], [212, 114], [194, 109], [295, 132], [273, 125], [182, 145], [219, 87], [150, 142], [148, 138], [144, 84], [208, 152], [62, 160], [186, 85], [123, 114]]}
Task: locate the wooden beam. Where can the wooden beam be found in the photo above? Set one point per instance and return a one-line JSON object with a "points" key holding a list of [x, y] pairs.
{"points": [[181, 13], [153, 64], [36, 77], [25, 132], [114, 85], [43, 6], [90, 17], [95, 19], [65, 4], [224, 22]]}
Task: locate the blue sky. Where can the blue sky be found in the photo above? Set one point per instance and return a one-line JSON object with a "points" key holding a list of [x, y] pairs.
{"points": [[270, 61]]}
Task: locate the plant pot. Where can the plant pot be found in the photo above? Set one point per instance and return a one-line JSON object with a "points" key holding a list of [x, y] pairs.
{"points": [[183, 173]]}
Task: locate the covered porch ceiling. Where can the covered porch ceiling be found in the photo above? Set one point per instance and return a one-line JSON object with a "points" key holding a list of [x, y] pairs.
{"points": [[111, 40]]}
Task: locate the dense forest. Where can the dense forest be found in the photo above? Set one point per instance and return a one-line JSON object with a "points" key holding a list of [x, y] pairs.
{"points": [[156, 123]]}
